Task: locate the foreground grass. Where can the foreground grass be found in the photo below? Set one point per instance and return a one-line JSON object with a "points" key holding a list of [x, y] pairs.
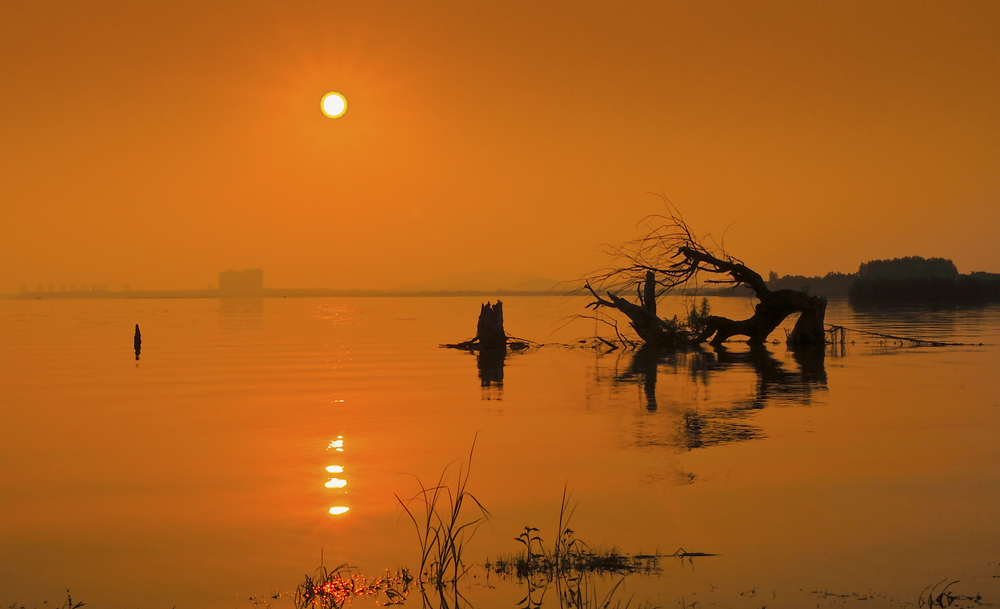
{"points": [[332, 588], [569, 555], [69, 604], [442, 527]]}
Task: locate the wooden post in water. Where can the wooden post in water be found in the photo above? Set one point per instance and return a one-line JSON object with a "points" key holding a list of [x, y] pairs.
{"points": [[649, 293], [489, 330]]}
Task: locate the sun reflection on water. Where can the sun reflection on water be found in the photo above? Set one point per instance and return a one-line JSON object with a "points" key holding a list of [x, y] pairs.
{"points": [[337, 483]]}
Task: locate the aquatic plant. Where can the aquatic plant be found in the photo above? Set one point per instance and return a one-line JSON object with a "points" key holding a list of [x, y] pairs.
{"points": [[568, 555], [331, 589], [938, 596], [69, 604], [442, 529], [571, 566], [697, 319]]}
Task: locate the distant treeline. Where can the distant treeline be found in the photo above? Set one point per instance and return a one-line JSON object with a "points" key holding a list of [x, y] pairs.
{"points": [[831, 284], [914, 279], [900, 280], [281, 293]]}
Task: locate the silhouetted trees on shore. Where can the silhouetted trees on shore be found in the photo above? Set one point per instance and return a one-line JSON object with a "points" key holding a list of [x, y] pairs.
{"points": [[975, 288], [911, 279]]}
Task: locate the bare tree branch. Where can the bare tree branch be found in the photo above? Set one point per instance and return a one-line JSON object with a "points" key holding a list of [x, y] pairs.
{"points": [[670, 257]]}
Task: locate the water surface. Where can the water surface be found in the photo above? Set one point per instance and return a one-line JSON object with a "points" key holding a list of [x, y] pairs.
{"points": [[198, 475]]}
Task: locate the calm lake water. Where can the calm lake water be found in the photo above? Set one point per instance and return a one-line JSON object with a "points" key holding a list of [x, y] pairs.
{"points": [[197, 476]]}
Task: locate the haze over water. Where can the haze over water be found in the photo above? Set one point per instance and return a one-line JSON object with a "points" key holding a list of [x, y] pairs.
{"points": [[197, 476], [157, 143], [148, 146]]}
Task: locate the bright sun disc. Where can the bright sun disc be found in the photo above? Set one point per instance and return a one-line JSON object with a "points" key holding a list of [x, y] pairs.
{"points": [[334, 105]]}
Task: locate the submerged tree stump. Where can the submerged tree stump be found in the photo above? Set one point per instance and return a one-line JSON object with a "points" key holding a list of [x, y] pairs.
{"points": [[649, 293], [490, 334], [489, 330], [810, 328]]}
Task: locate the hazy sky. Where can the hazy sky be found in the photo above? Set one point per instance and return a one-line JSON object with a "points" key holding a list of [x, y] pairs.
{"points": [[159, 143]]}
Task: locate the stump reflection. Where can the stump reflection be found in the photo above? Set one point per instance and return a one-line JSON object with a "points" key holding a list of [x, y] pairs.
{"points": [[490, 363]]}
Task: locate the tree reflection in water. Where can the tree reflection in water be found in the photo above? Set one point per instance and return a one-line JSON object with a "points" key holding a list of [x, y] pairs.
{"points": [[697, 421], [490, 363], [698, 425]]}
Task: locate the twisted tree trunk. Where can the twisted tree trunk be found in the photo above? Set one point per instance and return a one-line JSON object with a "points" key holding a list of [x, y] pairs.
{"points": [[774, 307]]}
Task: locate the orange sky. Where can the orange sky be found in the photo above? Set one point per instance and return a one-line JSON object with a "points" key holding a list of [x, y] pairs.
{"points": [[159, 143]]}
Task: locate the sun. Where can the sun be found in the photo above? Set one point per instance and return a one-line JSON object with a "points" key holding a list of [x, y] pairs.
{"points": [[333, 105]]}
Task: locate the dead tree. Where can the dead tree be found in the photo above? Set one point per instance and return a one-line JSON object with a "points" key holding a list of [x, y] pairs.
{"points": [[489, 328], [490, 334], [671, 258]]}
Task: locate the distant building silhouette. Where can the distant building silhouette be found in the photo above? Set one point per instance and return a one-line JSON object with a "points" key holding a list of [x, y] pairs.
{"points": [[248, 282]]}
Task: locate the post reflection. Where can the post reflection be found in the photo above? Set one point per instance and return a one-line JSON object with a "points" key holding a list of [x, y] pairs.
{"points": [[337, 446], [693, 420], [490, 363], [643, 366]]}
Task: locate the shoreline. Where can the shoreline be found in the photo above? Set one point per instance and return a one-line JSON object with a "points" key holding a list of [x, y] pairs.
{"points": [[319, 293]]}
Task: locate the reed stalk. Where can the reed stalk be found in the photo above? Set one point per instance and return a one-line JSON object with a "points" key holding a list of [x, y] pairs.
{"points": [[441, 526]]}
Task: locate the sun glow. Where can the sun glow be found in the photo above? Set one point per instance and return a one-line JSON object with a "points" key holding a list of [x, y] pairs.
{"points": [[339, 510], [333, 105]]}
